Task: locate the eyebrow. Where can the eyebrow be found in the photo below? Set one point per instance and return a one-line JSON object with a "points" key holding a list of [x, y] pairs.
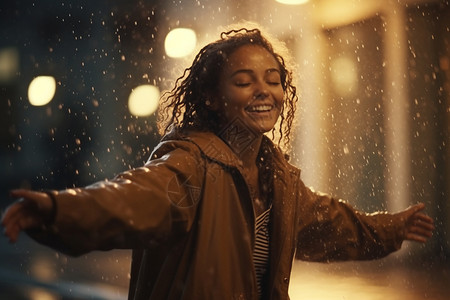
{"points": [[250, 71]]}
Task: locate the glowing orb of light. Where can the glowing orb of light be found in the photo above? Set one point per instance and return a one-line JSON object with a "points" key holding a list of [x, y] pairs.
{"points": [[41, 90], [143, 100], [180, 42]]}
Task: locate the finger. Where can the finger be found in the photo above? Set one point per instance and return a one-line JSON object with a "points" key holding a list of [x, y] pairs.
{"points": [[424, 218], [11, 212], [12, 218], [18, 193], [417, 208], [16, 206], [419, 235], [423, 221], [25, 215], [20, 214], [11, 232], [421, 231], [20, 223], [27, 194], [416, 238], [40, 200], [411, 211], [17, 209], [426, 225]]}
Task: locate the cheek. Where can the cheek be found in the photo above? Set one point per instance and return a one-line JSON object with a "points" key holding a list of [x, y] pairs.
{"points": [[279, 98], [239, 97]]}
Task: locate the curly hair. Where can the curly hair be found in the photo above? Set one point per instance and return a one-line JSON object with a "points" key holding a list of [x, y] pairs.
{"points": [[187, 105]]}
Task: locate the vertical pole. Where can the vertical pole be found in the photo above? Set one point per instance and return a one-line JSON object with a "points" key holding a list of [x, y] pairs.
{"points": [[396, 110], [310, 136]]}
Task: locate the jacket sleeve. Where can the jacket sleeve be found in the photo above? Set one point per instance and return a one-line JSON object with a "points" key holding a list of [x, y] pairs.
{"points": [[331, 230], [138, 208]]}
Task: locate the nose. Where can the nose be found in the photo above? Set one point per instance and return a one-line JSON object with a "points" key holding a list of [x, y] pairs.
{"points": [[261, 91]]}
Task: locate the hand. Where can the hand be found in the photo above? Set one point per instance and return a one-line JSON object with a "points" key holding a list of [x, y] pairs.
{"points": [[417, 226], [33, 209]]}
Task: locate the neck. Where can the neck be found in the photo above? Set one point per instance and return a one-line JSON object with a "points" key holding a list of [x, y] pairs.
{"points": [[244, 142], [246, 150]]}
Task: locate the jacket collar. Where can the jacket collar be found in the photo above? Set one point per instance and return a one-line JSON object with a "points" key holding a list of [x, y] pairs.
{"points": [[215, 149]]}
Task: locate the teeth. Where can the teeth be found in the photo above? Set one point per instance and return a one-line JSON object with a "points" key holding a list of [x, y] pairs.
{"points": [[260, 108]]}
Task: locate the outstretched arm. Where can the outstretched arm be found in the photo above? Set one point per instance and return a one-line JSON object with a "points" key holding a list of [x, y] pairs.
{"points": [[417, 226], [32, 210], [332, 230], [134, 209]]}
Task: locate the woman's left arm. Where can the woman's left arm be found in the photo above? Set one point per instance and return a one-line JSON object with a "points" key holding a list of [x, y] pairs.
{"points": [[332, 230]]}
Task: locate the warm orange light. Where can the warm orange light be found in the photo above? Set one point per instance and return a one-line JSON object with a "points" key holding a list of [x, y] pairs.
{"points": [[9, 64], [344, 75]]}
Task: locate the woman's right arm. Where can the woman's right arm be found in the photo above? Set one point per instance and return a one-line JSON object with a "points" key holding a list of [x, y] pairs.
{"points": [[138, 208]]}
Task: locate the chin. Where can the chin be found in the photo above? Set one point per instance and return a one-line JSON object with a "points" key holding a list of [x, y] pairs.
{"points": [[264, 128]]}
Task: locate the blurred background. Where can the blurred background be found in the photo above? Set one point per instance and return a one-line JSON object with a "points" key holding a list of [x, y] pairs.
{"points": [[79, 87]]}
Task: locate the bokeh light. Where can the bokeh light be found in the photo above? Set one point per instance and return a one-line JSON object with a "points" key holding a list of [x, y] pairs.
{"points": [[143, 100], [180, 42], [9, 64], [344, 75], [41, 90]]}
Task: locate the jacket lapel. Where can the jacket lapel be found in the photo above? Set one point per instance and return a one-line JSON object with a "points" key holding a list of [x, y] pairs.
{"points": [[283, 221]]}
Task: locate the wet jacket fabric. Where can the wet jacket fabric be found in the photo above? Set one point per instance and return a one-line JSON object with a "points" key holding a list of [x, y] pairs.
{"points": [[189, 218]]}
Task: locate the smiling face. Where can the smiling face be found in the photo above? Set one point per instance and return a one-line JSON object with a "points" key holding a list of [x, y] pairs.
{"points": [[250, 89]]}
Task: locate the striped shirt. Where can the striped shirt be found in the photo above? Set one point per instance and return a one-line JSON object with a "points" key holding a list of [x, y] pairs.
{"points": [[261, 250]]}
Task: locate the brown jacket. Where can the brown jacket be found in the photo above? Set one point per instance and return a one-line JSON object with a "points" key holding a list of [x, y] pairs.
{"points": [[188, 216]]}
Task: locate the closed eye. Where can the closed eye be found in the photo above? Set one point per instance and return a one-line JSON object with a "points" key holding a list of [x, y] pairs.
{"points": [[242, 84]]}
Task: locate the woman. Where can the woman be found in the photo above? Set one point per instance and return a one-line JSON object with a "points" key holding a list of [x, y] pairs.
{"points": [[217, 212]]}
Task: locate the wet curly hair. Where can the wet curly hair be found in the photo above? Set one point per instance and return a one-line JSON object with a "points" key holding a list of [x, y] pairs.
{"points": [[186, 106]]}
